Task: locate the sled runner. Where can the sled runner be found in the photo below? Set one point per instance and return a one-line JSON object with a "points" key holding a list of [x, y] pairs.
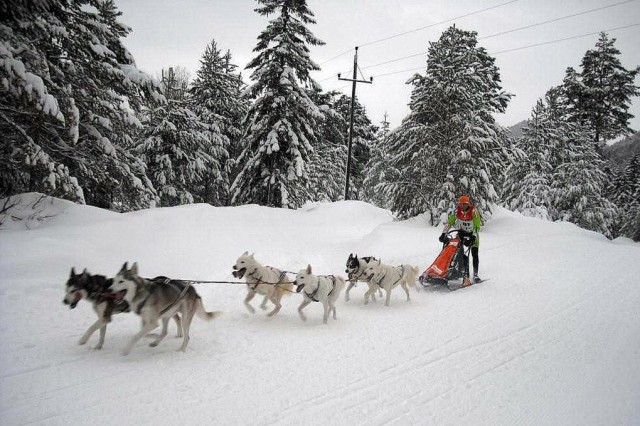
{"points": [[451, 267]]}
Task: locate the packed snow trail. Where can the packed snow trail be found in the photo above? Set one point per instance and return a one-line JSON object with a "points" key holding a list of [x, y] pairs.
{"points": [[552, 338]]}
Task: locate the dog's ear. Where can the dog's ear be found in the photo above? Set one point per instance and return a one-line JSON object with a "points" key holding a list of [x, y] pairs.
{"points": [[246, 253], [124, 267], [73, 271], [85, 272], [134, 268], [252, 255], [308, 269]]}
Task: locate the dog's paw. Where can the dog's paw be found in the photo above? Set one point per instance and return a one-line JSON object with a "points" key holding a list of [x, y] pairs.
{"points": [[153, 344], [97, 347]]}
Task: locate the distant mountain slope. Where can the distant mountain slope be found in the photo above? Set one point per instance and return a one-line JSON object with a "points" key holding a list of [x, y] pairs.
{"points": [[620, 152], [517, 129]]}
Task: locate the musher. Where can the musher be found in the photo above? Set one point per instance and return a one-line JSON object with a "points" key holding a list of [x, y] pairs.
{"points": [[466, 219]]}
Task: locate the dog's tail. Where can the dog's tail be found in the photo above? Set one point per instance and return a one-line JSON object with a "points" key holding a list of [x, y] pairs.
{"points": [[285, 289], [412, 276], [202, 313]]}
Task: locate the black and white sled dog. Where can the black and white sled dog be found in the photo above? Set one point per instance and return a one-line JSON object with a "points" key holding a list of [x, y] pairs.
{"points": [[318, 288], [156, 300], [388, 277], [95, 289], [270, 282], [355, 272]]}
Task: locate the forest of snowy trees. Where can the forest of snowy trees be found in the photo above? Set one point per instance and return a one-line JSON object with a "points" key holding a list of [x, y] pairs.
{"points": [[80, 121]]}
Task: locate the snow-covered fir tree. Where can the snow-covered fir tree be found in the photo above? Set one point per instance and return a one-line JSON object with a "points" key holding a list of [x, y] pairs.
{"points": [[577, 190], [68, 101], [328, 162], [528, 179], [560, 175], [280, 128], [600, 95], [216, 96], [184, 156], [364, 135], [627, 198], [449, 144], [377, 168]]}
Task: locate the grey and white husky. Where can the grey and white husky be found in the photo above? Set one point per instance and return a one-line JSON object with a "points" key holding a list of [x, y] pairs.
{"points": [[156, 300], [355, 272], [318, 288], [388, 277], [95, 289]]}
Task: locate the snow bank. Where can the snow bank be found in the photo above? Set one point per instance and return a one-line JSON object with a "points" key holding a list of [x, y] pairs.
{"points": [[551, 338]]}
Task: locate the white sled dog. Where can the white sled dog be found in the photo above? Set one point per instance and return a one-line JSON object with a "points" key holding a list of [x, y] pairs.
{"points": [[270, 282], [95, 289], [355, 272], [388, 277], [156, 300], [318, 288]]}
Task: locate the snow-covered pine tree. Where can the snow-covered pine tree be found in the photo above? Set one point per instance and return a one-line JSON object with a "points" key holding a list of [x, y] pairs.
{"points": [[70, 94], [627, 197], [377, 168], [328, 163], [280, 127], [216, 97], [600, 95], [527, 183], [449, 144], [577, 190], [184, 156], [364, 135]]}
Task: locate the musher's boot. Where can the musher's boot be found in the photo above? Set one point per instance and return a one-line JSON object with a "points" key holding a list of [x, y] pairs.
{"points": [[476, 278]]}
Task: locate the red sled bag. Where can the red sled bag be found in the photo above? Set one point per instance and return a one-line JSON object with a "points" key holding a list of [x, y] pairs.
{"points": [[440, 267]]}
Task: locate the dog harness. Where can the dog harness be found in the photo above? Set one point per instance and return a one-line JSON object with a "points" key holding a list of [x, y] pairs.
{"points": [[397, 281], [312, 296], [259, 281]]}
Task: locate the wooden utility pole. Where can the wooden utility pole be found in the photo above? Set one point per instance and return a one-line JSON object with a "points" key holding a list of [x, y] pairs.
{"points": [[354, 80]]}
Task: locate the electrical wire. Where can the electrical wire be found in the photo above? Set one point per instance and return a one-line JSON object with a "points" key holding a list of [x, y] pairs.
{"points": [[421, 28], [438, 23], [526, 47], [513, 30]]}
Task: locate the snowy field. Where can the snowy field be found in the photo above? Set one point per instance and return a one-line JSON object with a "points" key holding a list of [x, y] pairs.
{"points": [[552, 338]]}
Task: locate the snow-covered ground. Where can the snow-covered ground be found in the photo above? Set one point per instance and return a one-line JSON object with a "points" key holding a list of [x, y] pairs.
{"points": [[552, 338]]}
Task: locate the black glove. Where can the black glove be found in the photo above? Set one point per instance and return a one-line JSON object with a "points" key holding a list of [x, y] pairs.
{"points": [[468, 240], [443, 237]]}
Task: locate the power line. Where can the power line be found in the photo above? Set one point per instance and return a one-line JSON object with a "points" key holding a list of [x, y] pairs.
{"points": [[438, 23], [335, 57], [556, 19], [527, 46], [564, 39], [422, 28], [510, 31]]}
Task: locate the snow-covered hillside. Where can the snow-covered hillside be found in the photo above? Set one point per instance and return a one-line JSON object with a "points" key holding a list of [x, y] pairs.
{"points": [[552, 338]]}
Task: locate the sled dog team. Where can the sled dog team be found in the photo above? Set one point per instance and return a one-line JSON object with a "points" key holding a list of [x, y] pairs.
{"points": [[160, 299]]}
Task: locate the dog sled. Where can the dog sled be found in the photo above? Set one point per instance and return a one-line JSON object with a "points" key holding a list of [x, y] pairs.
{"points": [[451, 267]]}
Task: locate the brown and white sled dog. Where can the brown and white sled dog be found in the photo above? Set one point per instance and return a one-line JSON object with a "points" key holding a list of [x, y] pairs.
{"points": [[95, 289], [355, 272], [388, 277], [158, 300], [318, 288], [267, 281]]}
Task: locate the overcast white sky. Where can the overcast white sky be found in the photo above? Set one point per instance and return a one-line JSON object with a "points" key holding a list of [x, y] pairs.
{"points": [[176, 32]]}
